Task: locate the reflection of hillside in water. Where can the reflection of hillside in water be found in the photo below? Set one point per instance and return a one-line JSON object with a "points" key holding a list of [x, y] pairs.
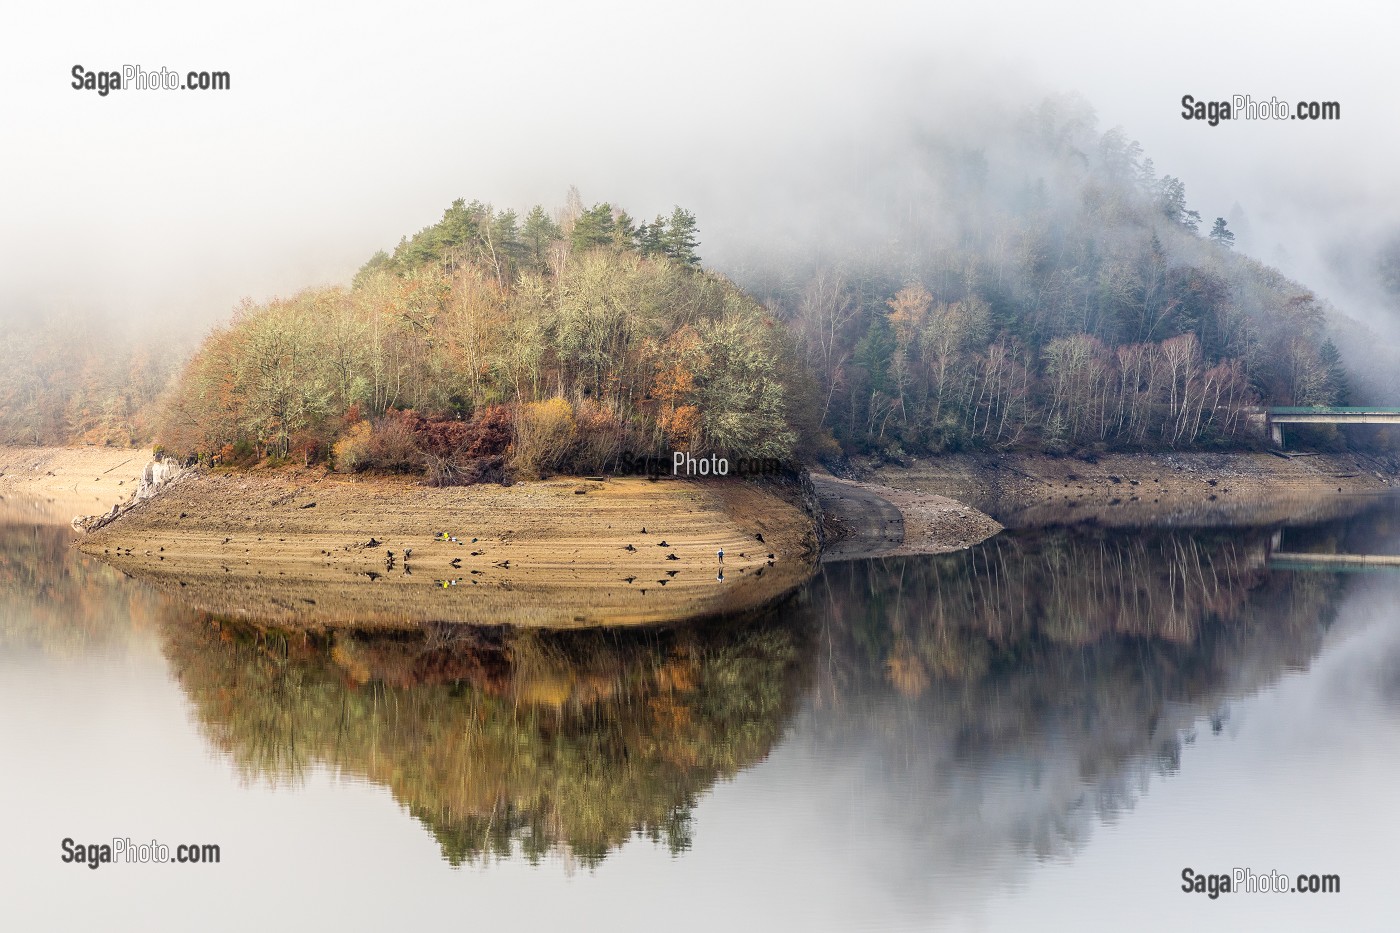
{"points": [[500, 740], [1011, 694], [55, 601], [999, 700], [1377, 532], [1016, 691]]}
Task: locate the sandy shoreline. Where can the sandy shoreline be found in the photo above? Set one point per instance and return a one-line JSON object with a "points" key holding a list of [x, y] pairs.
{"points": [[53, 484], [306, 548], [310, 549]]}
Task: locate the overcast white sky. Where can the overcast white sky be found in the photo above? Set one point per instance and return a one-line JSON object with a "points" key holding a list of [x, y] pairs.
{"points": [[351, 124]]}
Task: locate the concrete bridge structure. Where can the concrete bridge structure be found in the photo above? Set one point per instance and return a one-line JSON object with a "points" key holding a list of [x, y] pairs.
{"points": [[1276, 559], [1334, 563], [1275, 418]]}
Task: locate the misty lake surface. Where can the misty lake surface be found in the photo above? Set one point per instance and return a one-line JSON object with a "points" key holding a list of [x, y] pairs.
{"points": [[1039, 733]]}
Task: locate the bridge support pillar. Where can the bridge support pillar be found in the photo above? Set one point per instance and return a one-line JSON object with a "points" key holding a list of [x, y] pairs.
{"points": [[1276, 434]]}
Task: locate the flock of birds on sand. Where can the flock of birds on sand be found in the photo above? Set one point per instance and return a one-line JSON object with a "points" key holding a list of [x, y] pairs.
{"points": [[393, 561]]}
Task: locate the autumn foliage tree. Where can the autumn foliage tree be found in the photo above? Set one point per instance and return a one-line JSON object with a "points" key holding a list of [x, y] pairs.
{"points": [[66, 380], [1032, 283], [579, 330]]}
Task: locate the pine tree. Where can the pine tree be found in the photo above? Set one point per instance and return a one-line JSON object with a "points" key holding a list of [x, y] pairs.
{"points": [[680, 238], [1338, 388], [651, 238], [1171, 198], [539, 231], [1147, 175], [594, 227], [1221, 234], [624, 231]]}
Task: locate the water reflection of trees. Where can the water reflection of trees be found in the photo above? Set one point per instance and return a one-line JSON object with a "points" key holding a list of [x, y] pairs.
{"points": [[1040, 680], [504, 740], [1004, 603], [1010, 694], [55, 601]]}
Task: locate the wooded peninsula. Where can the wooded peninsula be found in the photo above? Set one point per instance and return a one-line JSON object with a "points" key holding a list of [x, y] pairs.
{"points": [[1059, 297]]}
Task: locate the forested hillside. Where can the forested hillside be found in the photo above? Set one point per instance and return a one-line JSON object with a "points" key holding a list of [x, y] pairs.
{"points": [[1044, 287], [66, 380], [564, 343]]}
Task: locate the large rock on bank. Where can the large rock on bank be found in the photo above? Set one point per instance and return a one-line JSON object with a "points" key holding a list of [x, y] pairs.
{"points": [[159, 473]]}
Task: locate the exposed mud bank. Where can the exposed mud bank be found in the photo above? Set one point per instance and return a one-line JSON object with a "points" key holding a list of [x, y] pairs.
{"points": [[871, 520], [301, 547], [1149, 489]]}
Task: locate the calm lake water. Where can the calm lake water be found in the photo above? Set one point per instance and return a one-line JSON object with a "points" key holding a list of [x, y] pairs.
{"points": [[1040, 733]]}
